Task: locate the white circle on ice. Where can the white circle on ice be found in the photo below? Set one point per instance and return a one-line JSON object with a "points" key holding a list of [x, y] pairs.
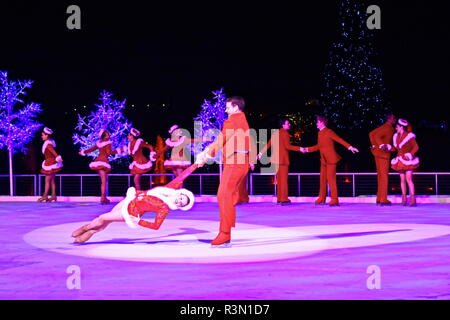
{"points": [[188, 241]]}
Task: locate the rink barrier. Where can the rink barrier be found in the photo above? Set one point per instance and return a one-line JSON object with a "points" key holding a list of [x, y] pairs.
{"points": [[301, 185]]}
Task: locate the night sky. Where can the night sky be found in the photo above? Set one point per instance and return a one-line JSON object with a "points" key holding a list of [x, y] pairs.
{"points": [[271, 54]]}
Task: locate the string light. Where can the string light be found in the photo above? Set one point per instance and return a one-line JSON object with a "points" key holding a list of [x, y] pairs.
{"points": [[108, 116], [354, 93], [17, 127], [212, 116]]}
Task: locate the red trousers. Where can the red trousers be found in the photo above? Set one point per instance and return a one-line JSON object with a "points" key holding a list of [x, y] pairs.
{"points": [[243, 193], [383, 178], [328, 175], [228, 193], [282, 182]]}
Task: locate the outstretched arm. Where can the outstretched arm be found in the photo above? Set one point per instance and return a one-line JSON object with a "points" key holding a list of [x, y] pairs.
{"points": [[85, 152]]}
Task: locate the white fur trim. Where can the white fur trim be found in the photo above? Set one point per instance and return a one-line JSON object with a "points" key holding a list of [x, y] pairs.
{"points": [[403, 122], [95, 164], [173, 128], [135, 132], [46, 143], [409, 156], [101, 132], [137, 145], [411, 162], [143, 166], [57, 165], [130, 220], [101, 144], [48, 130], [153, 156], [59, 159], [408, 137], [173, 144], [177, 163]]}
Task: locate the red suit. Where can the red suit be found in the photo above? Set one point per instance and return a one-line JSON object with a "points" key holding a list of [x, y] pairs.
{"points": [[281, 145], [381, 140], [140, 164], [53, 162], [406, 147], [101, 162], [238, 151], [328, 161]]}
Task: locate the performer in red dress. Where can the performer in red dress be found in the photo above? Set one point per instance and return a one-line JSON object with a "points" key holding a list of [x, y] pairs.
{"points": [[131, 210], [52, 164], [406, 161], [101, 163], [180, 157], [140, 164]]}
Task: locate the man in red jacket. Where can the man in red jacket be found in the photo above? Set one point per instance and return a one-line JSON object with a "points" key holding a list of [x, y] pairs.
{"points": [[281, 145], [328, 159], [381, 141], [239, 153]]}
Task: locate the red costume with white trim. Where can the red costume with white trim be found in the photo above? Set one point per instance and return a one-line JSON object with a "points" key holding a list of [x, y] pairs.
{"points": [[406, 147], [140, 164], [178, 158], [53, 161], [159, 200], [101, 162]]}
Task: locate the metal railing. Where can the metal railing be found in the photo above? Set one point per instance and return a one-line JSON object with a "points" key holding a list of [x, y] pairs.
{"points": [[300, 184]]}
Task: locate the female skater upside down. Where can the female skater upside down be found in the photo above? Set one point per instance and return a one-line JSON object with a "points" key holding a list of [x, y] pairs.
{"points": [[136, 203]]}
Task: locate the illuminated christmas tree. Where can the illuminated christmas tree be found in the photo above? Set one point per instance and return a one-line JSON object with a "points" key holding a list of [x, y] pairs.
{"points": [[354, 94], [17, 127], [107, 116], [209, 122]]}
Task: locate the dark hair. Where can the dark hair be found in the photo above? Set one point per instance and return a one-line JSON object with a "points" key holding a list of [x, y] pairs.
{"points": [[104, 134], [388, 115], [188, 199], [130, 134], [322, 118], [281, 121], [237, 101]]}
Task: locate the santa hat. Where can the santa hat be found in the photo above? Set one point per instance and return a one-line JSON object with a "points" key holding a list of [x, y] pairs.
{"points": [[403, 122], [135, 132], [173, 128], [48, 130]]}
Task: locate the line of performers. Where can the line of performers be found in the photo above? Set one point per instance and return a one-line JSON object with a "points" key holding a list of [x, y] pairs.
{"points": [[239, 158], [140, 165]]}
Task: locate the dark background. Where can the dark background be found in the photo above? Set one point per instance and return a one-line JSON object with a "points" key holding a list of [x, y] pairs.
{"points": [[176, 54]]}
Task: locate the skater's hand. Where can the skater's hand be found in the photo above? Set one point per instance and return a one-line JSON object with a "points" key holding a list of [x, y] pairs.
{"points": [[201, 159], [252, 166], [353, 149], [259, 156]]}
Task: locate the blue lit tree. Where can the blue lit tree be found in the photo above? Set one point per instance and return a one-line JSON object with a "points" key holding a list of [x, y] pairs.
{"points": [[210, 120], [17, 127], [108, 116], [354, 94]]}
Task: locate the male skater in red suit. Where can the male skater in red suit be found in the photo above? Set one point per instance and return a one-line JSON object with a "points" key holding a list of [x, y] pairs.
{"points": [[239, 153], [328, 160]]}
